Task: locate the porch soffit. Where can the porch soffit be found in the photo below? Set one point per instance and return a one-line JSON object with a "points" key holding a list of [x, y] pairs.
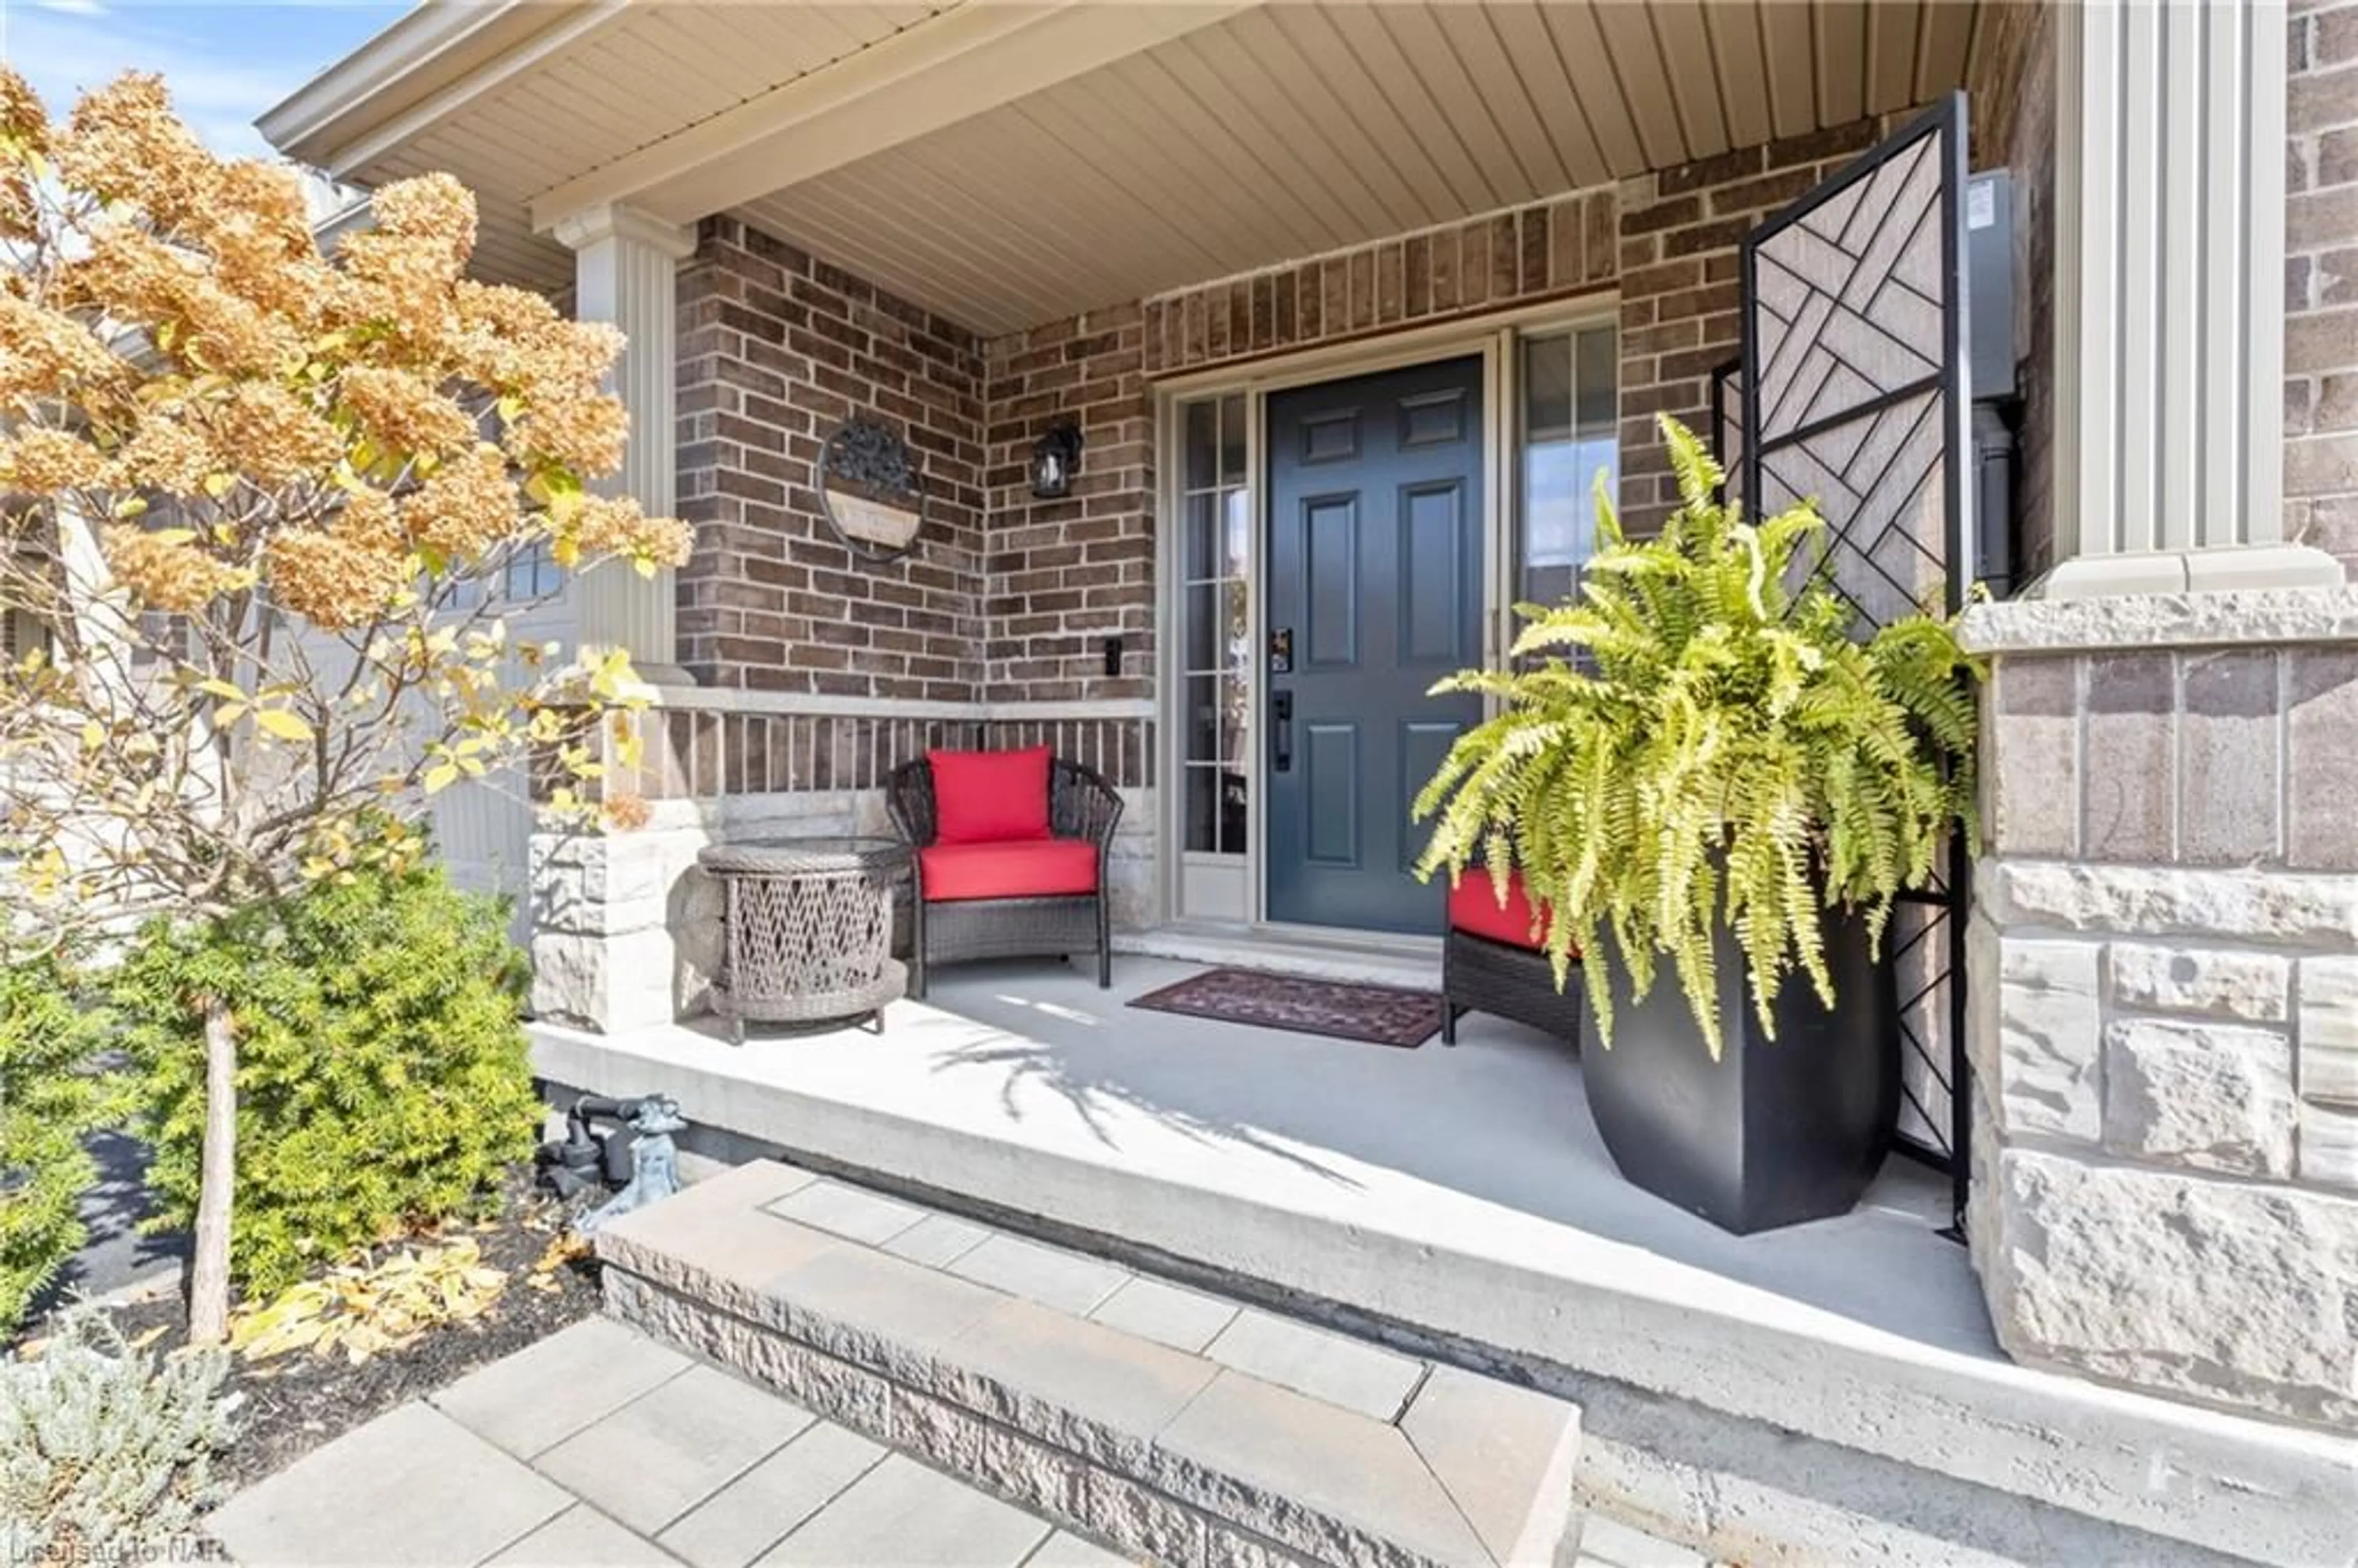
{"points": [[1292, 129], [518, 96], [1008, 165]]}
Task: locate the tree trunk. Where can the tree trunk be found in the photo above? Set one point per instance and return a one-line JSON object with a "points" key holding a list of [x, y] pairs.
{"points": [[209, 1262]]}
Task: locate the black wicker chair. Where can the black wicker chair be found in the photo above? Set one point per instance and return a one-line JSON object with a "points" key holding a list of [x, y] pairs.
{"points": [[1481, 973], [1082, 805]]}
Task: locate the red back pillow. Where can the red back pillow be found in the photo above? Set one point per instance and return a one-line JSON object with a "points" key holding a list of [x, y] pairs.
{"points": [[990, 797]]}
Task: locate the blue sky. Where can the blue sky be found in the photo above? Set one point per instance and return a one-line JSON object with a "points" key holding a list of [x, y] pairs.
{"points": [[225, 64]]}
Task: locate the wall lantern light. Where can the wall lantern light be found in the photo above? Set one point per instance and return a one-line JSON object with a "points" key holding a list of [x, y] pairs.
{"points": [[1055, 458]]}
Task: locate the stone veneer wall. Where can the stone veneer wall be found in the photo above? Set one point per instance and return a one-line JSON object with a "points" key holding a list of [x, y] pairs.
{"points": [[775, 348], [2321, 461], [2164, 989]]}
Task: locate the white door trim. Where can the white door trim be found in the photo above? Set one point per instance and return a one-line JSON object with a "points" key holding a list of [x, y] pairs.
{"points": [[1494, 339]]}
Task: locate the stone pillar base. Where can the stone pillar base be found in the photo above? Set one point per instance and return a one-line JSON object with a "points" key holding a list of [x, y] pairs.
{"points": [[2163, 987]]}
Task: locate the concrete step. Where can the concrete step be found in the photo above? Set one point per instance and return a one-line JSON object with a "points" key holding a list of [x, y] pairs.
{"points": [[1174, 1424]]}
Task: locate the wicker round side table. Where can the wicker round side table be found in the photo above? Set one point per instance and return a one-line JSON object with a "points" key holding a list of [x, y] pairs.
{"points": [[808, 929]]}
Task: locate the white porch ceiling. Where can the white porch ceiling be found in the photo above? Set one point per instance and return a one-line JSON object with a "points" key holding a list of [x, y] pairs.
{"points": [[1271, 132], [1296, 128]]}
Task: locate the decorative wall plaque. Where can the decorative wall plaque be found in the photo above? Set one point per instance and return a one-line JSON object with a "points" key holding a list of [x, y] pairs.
{"points": [[868, 488]]}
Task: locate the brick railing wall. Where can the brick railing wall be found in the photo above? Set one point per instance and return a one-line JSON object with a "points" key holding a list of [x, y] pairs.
{"points": [[2320, 455]]}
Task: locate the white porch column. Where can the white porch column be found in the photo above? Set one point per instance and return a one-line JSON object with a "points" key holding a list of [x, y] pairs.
{"points": [[2169, 213], [626, 265]]}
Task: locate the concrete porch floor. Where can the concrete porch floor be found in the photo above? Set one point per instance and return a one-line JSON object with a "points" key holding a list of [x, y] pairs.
{"points": [[1462, 1196]]}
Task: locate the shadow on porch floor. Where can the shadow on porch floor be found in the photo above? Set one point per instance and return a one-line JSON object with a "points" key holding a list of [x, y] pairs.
{"points": [[1488, 1142], [1486, 1149]]}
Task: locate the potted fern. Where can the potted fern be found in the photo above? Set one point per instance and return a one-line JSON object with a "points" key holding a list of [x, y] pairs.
{"points": [[1698, 764]]}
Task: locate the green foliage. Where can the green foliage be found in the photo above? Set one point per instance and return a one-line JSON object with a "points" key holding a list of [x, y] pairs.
{"points": [[1731, 750], [382, 1073], [106, 1455], [49, 1096]]}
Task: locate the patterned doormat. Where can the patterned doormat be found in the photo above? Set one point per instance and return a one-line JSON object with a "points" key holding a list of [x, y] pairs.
{"points": [[1376, 1015]]}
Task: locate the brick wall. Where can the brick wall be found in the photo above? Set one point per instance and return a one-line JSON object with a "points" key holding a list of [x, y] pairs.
{"points": [[2320, 456], [1680, 309], [1062, 576], [1563, 247], [774, 348], [2013, 118], [1012, 599]]}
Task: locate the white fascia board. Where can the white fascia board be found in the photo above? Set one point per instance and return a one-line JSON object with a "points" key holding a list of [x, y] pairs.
{"points": [[953, 65], [426, 64]]}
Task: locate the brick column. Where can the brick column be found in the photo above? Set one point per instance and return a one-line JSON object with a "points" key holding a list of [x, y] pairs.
{"points": [[624, 270]]}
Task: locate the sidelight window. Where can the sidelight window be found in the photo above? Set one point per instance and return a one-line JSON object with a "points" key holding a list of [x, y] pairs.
{"points": [[1566, 438], [1215, 623]]}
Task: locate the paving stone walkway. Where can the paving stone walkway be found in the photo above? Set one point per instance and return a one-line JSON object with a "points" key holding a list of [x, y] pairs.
{"points": [[601, 1448]]}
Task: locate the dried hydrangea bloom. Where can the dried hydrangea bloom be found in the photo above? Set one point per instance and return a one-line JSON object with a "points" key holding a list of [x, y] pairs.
{"points": [[123, 144], [38, 460], [44, 354], [335, 580], [366, 517], [614, 526], [168, 457], [269, 434], [469, 505], [576, 432], [165, 570], [403, 411]]}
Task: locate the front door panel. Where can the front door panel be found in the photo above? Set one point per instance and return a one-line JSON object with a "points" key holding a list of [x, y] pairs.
{"points": [[1375, 592]]}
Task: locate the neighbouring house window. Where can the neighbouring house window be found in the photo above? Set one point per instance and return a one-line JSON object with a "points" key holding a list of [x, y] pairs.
{"points": [[529, 578], [1566, 436], [21, 632], [1215, 527], [532, 575]]}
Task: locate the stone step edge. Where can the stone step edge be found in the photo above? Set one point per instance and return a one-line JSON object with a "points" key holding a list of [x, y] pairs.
{"points": [[1080, 1495], [1176, 1506]]}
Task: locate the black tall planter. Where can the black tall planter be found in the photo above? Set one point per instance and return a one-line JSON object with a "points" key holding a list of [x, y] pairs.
{"points": [[1776, 1131]]}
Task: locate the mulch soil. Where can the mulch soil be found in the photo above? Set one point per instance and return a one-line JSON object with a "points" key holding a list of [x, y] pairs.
{"points": [[297, 1402]]}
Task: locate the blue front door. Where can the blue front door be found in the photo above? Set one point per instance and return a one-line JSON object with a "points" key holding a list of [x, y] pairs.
{"points": [[1375, 591]]}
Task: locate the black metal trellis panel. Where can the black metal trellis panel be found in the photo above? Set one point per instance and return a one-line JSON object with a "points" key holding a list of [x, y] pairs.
{"points": [[1851, 392]]}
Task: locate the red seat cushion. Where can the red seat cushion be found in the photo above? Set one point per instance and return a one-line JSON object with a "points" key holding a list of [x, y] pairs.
{"points": [[1044, 867], [990, 797], [1473, 908]]}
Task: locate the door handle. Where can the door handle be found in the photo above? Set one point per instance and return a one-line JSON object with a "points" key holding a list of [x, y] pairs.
{"points": [[1281, 731]]}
